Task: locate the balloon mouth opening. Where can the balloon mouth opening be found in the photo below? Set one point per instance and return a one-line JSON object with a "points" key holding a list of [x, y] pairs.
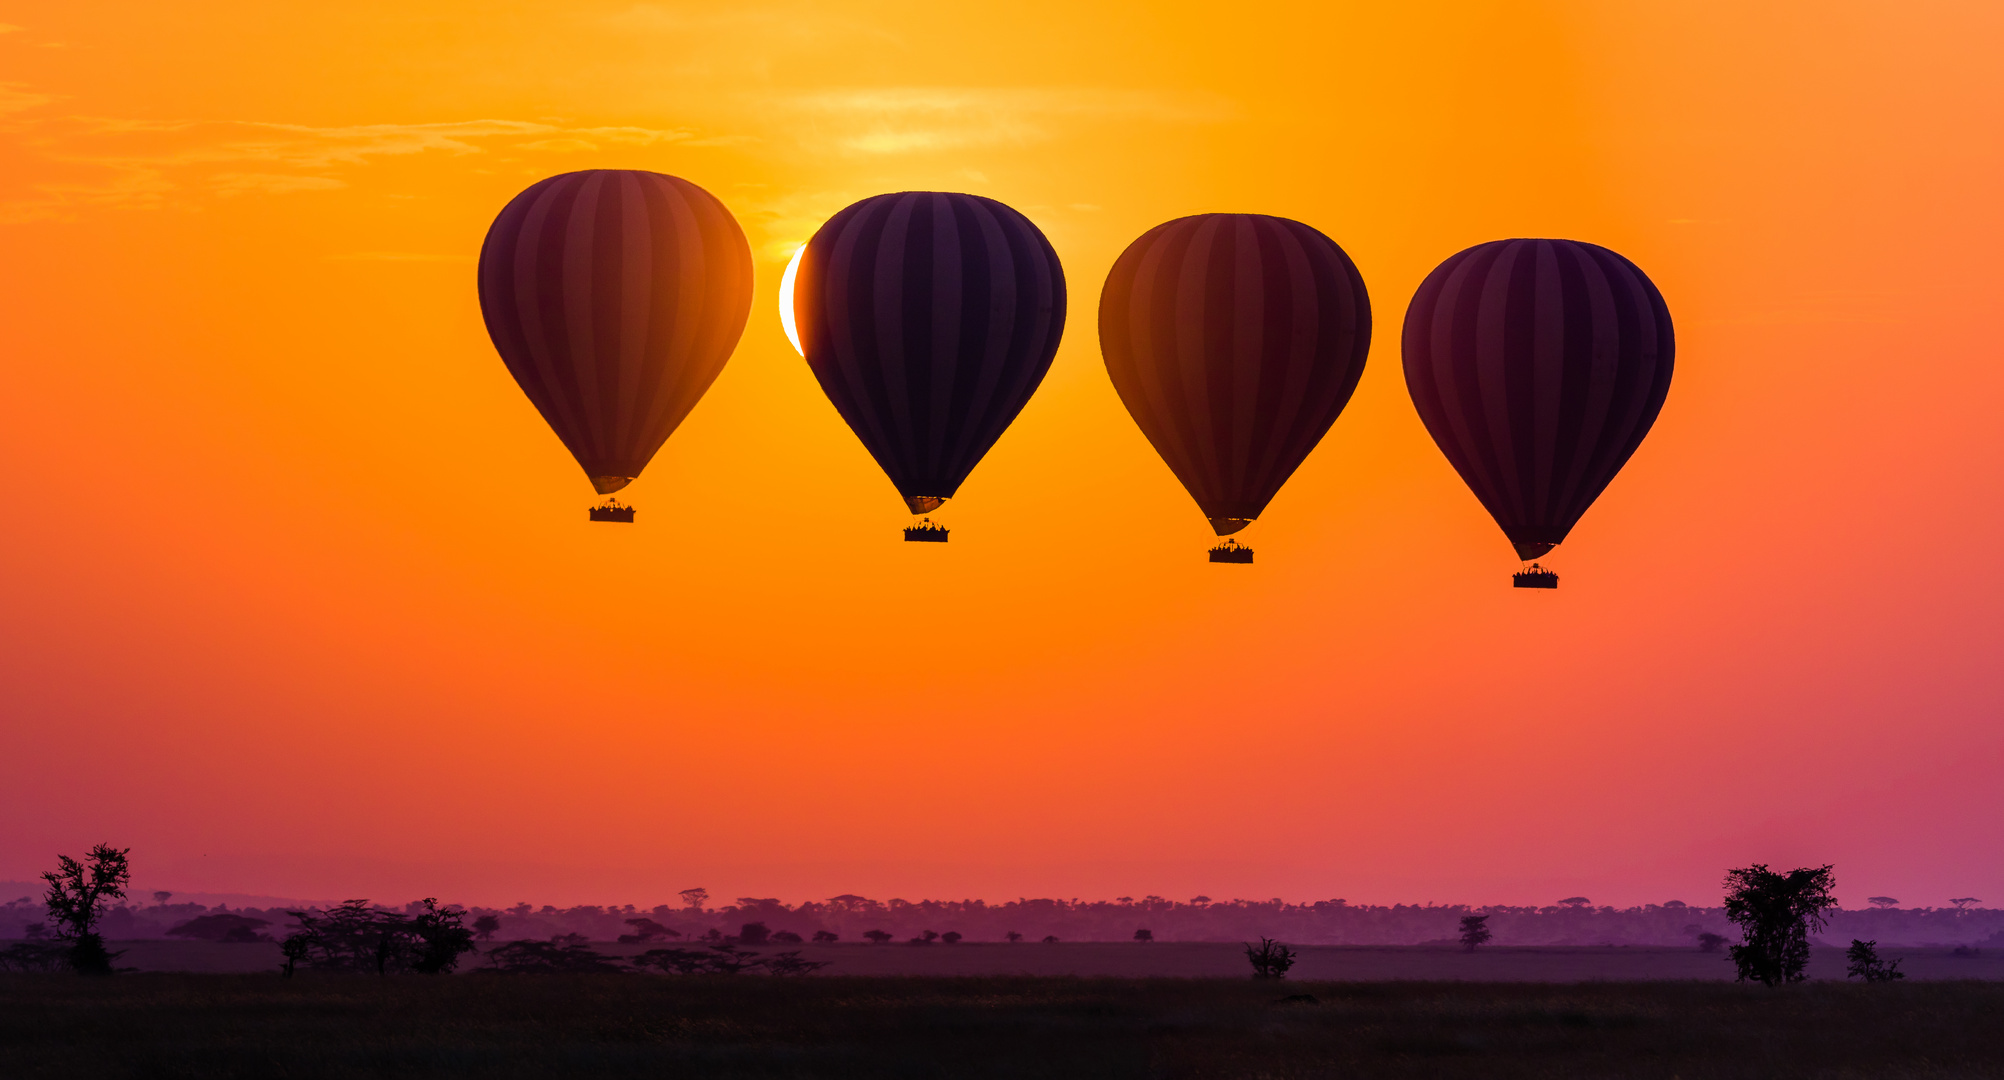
{"points": [[1225, 526], [1529, 550], [924, 504], [606, 485]]}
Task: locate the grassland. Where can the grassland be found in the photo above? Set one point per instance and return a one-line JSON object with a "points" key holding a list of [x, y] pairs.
{"points": [[166, 1025]]}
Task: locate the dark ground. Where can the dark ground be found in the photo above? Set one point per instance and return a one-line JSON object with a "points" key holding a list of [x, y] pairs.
{"points": [[158, 1025]]}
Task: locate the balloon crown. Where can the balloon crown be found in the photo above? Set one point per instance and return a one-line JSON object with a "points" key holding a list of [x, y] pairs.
{"points": [[1231, 551], [925, 532], [1535, 577], [612, 510]]}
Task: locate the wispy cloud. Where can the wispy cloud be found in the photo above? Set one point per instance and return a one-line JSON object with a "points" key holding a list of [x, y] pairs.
{"points": [[111, 161], [906, 120], [399, 256], [228, 184], [16, 98]]}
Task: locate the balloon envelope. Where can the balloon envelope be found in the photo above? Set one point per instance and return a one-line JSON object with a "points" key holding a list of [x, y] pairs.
{"points": [[929, 318], [1538, 366], [615, 296], [1235, 340]]}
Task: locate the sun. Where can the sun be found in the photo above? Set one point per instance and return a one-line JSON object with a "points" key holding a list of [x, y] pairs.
{"points": [[786, 299]]}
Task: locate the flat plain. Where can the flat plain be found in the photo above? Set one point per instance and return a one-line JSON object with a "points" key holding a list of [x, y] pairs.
{"points": [[340, 1027], [1201, 959]]}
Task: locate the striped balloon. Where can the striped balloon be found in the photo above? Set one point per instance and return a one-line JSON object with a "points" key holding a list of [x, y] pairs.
{"points": [[1538, 366], [615, 296], [1235, 340], [929, 318]]}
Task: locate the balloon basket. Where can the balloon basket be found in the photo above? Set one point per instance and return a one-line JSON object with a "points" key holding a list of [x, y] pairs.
{"points": [[1231, 551], [612, 510], [925, 532], [1535, 577]]}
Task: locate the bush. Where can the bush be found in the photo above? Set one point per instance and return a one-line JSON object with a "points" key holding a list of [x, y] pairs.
{"points": [[1270, 959], [563, 954], [223, 926], [1866, 965]]}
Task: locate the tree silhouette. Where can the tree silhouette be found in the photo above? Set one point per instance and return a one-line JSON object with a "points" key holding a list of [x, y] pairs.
{"points": [[1961, 902], [1709, 942], [357, 937], [1866, 965], [1013, 937], [754, 933], [1474, 931], [78, 893], [1575, 902], [1776, 913], [486, 926], [877, 937], [1270, 959], [1050, 939], [951, 937], [823, 937], [1144, 935], [160, 898], [694, 898], [1883, 902]]}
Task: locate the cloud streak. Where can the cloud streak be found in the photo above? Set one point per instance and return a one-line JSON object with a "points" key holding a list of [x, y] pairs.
{"points": [[907, 120], [118, 162]]}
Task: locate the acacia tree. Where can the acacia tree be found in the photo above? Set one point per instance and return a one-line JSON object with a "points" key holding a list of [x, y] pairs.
{"points": [[78, 893], [1776, 913]]}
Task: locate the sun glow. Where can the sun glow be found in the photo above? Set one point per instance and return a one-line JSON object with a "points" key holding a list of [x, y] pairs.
{"points": [[786, 299]]}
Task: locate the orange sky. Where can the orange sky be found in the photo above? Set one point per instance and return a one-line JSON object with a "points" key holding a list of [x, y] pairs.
{"points": [[301, 599]]}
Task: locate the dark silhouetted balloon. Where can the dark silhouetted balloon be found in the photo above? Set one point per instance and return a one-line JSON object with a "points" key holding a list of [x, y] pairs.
{"points": [[615, 296], [1235, 340], [1538, 366], [929, 318]]}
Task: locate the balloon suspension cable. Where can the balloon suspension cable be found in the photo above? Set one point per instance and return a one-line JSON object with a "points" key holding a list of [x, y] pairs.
{"points": [[1534, 577], [1231, 551], [925, 532], [612, 510]]}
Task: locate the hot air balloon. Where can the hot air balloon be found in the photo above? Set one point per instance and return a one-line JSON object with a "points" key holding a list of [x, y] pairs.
{"points": [[929, 318], [1234, 340], [1538, 366], [615, 296]]}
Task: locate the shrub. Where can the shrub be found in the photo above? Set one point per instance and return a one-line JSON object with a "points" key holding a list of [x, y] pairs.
{"points": [[1270, 959], [563, 954], [1866, 965], [222, 926]]}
